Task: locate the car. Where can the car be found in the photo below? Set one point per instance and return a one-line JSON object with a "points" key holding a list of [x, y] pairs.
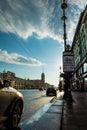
{"points": [[51, 91], [11, 105]]}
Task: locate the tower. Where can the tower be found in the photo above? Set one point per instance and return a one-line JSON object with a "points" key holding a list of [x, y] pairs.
{"points": [[43, 78]]}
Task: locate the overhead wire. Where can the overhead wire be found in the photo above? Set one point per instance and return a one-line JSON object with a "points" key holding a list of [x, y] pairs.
{"points": [[28, 51]]}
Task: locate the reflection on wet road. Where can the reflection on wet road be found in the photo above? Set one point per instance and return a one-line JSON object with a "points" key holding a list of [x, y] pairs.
{"points": [[30, 121], [33, 100], [35, 105]]}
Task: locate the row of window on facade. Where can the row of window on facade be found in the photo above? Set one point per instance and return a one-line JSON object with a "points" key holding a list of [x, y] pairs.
{"points": [[20, 83], [80, 51]]}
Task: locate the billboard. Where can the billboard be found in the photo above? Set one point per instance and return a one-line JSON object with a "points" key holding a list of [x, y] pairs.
{"points": [[68, 62]]}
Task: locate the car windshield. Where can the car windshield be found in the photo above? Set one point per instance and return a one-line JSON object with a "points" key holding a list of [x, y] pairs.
{"points": [[52, 87]]}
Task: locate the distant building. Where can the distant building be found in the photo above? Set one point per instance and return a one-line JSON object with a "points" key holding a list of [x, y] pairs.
{"points": [[20, 83], [79, 47]]}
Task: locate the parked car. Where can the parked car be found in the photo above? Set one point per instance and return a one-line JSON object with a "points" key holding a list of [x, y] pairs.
{"points": [[51, 91], [11, 105]]}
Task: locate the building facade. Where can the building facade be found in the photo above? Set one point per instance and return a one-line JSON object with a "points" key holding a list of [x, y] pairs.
{"points": [[20, 83], [79, 47]]}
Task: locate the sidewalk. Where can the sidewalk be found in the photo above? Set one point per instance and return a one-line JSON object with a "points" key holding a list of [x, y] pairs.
{"points": [[51, 120], [75, 114], [64, 116]]}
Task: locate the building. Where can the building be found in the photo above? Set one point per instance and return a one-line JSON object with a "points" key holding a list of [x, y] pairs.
{"points": [[79, 47], [20, 83]]}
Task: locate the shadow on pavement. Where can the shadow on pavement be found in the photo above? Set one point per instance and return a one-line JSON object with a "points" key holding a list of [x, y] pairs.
{"points": [[10, 128]]}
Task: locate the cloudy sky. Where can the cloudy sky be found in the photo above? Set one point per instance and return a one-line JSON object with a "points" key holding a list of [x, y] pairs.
{"points": [[31, 36]]}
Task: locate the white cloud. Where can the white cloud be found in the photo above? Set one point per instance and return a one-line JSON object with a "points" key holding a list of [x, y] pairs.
{"points": [[42, 17], [14, 58], [79, 3], [71, 30]]}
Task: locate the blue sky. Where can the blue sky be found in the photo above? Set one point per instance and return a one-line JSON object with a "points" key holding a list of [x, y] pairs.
{"points": [[31, 36]]}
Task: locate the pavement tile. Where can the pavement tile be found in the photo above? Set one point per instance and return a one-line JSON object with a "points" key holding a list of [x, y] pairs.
{"points": [[75, 114], [58, 102], [51, 120], [65, 127], [55, 109], [48, 122]]}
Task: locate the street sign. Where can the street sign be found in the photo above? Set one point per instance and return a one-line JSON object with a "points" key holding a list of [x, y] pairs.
{"points": [[68, 62]]}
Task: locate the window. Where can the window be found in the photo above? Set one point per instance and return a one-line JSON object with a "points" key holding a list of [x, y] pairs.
{"points": [[85, 67]]}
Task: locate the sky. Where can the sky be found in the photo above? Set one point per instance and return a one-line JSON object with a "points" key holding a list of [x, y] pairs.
{"points": [[31, 36]]}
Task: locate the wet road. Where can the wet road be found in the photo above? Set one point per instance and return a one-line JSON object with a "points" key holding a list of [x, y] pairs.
{"points": [[35, 104], [33, 100]]}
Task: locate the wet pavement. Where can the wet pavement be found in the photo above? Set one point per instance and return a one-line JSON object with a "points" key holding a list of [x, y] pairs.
{"points": [[33, 101], [75, 114], [62, 115], [50, 120]]}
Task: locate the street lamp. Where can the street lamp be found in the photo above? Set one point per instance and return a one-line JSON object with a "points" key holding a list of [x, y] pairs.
{"points": [[67, 57], [63, 18]]}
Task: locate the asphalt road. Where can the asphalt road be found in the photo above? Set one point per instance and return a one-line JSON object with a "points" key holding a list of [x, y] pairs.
{"points": [[34, 102]]}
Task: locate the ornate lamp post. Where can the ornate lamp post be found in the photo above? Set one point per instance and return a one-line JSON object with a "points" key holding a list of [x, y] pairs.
{"points": [[67, 57], [64, 6]]}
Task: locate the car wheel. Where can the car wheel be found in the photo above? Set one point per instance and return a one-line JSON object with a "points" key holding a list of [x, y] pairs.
{"points": [[16, 114]]}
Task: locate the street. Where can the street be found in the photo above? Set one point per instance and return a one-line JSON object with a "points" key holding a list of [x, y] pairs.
{"points": [[35, 105]]}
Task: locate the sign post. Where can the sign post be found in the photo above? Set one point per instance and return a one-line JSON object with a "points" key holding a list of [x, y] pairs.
{"points": [[68, 62], [68, 68]]}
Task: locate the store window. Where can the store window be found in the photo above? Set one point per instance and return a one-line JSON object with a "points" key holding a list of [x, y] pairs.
{"points": [[85, 67], [85, 84]]}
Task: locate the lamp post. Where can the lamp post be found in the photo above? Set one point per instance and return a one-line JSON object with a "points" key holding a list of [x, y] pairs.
{"points": [[66, 59], [63, 18]]}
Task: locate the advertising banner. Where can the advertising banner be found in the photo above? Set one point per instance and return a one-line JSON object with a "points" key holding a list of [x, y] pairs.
{"points": [[68, 62]]}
